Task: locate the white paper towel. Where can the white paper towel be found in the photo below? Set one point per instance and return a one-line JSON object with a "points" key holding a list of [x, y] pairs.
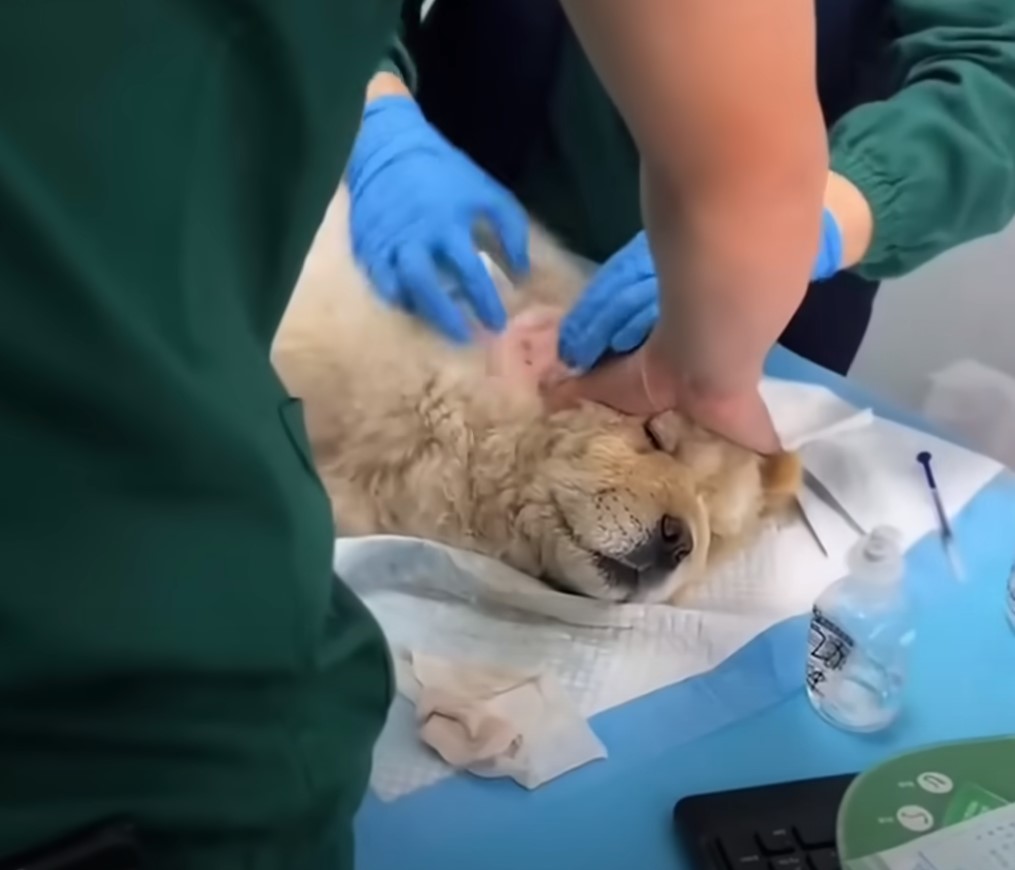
{"points": [[451, 603], [496, 722]]}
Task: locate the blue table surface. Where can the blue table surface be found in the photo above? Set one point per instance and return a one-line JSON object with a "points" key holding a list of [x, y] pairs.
{"points": [[617, 813]]}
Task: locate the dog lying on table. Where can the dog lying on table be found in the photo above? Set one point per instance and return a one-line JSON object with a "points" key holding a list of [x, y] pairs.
{"points": [[414, 436]]}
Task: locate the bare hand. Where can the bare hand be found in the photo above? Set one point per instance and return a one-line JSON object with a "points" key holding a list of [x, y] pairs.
{"points": [[636, 384]]}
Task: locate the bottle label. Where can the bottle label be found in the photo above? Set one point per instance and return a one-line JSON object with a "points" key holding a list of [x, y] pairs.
{"points": [[829, 647]]}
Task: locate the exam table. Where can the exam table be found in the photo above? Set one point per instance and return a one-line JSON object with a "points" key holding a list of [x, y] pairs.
{"points": [[617, 813]]}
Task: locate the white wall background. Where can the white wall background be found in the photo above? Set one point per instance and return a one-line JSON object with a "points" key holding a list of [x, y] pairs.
{"points": [[961, 305]]}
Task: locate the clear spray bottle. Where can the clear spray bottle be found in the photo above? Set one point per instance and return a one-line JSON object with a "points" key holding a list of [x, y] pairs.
{"points": [[861, 629]]}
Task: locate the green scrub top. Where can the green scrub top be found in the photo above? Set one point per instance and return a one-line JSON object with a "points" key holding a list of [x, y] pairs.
{"points": [[172, 645], [935, 159]]}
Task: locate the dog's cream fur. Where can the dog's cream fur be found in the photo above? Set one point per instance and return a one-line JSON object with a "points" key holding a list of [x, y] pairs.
{"points": [[413, 436]]}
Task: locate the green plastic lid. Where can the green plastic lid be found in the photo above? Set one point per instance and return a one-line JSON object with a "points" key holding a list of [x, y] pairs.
{"points": [[950, 806]]}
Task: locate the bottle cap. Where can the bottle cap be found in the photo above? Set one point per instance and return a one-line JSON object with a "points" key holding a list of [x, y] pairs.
{"points": [[883, 542], [878, 554]]}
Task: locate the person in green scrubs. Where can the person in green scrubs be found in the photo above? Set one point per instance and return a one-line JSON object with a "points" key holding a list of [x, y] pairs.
{"points": [[172, 646], [918, 98], [174, 649]]}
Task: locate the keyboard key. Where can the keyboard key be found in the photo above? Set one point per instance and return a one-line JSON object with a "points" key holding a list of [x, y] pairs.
{"points": [[787, 862], [826, 859], [776, 841], [816, 832], [742, 852]]}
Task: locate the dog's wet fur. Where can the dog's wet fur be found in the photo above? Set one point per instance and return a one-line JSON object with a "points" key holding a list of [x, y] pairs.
{"points": [[412, 436]]}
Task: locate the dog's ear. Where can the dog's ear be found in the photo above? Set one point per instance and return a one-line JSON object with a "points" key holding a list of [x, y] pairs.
{"points": [[781, 479]]}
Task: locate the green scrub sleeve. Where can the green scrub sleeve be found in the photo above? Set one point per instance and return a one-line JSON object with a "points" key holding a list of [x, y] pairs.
{"points": [[398, 61], [937, 160]]}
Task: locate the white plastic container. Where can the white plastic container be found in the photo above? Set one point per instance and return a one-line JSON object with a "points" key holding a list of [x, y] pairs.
{"points": [[861, 629], [975, 405]]}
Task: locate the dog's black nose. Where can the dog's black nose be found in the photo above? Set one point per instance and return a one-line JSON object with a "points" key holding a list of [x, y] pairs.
{"points": [[669, 543], [675, 541]]}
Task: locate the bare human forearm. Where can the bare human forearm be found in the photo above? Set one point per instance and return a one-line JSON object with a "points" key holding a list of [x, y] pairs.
{"points": [[386, 84], [721, 100]]}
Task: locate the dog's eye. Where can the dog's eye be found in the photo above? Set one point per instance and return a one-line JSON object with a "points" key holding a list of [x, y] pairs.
{"points": [[653, 439]]}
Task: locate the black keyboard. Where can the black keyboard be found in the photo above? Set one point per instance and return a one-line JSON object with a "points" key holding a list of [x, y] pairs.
{"points": [[786, 826]]}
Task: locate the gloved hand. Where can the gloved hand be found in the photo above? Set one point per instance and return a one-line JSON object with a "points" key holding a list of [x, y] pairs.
{"points": [[619, 308], [414, 203]]}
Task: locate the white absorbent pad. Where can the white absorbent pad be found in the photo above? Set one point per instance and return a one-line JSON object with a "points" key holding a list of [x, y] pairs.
{"points": [[470, 610]]}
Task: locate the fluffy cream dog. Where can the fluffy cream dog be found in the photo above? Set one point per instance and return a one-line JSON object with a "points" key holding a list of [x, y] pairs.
{"points": [[416, 437]]}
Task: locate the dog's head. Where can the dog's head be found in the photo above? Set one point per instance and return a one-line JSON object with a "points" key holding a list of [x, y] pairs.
{"points": [[622, 509]]}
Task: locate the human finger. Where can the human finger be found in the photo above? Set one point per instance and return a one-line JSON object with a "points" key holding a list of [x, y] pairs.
{"points": [[477, 285], [633, 334], [511, 225], [421, 282]]}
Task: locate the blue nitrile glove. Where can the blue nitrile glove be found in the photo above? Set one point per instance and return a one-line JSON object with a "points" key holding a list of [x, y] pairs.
{"points": [[619, 308], [829, 260], [414, 203], [617, 311]]}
